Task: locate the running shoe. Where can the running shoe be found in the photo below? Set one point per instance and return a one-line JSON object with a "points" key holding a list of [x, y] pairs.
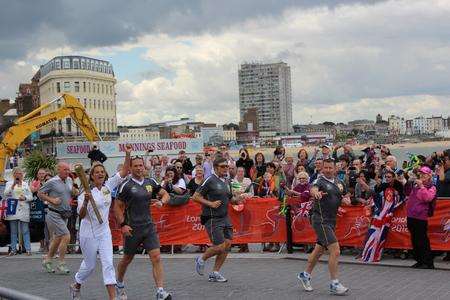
{"points": [[62, 269], [216, 277], [305, 280], [200, 266], [121, 293], [163, 295], [47, 265], [74, 292], [338, 289]]}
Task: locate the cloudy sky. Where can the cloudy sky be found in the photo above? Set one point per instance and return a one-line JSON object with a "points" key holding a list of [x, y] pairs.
{"points": [[349, 59]]}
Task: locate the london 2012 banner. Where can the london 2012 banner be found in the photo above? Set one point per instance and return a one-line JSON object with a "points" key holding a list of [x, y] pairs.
{"points": [[260, 221]]}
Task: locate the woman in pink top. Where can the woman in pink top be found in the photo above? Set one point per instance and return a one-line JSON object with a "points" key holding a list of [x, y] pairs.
{"points": [[419, 208]]}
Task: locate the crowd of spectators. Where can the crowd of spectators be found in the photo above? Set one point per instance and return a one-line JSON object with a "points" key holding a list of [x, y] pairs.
{"points": [[262, 175]]}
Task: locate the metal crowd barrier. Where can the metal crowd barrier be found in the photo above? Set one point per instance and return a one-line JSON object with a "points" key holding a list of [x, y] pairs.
{"points": [[11, 294]]}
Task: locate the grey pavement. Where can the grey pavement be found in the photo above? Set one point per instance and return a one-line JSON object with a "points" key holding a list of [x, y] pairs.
{"points": [[251, 276]]}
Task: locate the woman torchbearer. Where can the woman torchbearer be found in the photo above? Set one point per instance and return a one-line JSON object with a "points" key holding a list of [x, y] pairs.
{"points": [[94, 235]]}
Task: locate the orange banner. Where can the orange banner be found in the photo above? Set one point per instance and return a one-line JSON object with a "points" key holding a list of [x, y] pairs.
{"points": [[261, 222]]}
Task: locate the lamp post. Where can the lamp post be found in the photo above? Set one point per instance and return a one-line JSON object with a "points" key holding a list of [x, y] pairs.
{"points": [[52, 137]]}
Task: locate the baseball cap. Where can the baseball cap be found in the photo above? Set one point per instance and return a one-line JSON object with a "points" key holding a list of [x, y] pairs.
{"points": [[326, 146], [425, 170]]}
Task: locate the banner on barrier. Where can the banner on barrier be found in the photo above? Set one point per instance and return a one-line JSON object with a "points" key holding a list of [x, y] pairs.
{"points": [[261, 222]]}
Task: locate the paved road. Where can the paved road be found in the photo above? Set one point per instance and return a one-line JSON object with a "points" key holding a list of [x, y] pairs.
{"points": [[249, 278]]}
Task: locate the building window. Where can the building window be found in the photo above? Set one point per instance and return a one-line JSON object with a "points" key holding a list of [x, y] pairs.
{"points": [[69, 124], [103, 88], [98, 88], [94, 103], [66, 86], [83, 64], [76, 63], [89, 86], [58, 87], [103, 104], [85, 102], [57, 64], [84, 86], [77, 86], [90, 103], [66, 63]]}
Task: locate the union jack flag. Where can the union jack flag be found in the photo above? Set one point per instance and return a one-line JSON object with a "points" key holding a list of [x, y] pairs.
{"points": [[386, 201]]}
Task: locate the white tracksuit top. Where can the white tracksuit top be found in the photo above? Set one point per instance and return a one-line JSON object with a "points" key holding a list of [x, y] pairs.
{"points": [[90, 227]]}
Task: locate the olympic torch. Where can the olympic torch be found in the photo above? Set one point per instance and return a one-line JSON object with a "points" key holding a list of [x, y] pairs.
{"points": [[87, 189]]}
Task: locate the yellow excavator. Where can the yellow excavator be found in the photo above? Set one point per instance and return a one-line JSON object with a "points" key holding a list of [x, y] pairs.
{"points": [[34, 121]]}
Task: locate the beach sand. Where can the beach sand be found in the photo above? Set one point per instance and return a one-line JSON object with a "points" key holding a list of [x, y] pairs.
{"points": [[268, 151]]}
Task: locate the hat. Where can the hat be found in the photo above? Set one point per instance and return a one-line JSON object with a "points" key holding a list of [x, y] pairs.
{"points": [[326, 146], [425, 170]]}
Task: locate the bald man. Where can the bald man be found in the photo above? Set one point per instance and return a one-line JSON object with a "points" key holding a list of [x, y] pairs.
{"points": [[57, 192]]}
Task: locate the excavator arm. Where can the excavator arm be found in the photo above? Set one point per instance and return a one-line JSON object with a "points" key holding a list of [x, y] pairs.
{"points": [[32, 122]]}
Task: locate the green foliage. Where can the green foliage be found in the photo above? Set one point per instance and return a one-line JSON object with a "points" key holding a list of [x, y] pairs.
{"points": [[37, 160]]}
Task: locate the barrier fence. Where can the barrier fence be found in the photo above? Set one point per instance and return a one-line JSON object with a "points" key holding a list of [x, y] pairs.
{"points": [[10, 294], [261, 222]]}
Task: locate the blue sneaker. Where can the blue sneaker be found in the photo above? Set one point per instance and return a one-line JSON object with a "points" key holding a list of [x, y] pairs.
{"points": [[338, 289], [305, 280], [216, 277], [200, 266]]}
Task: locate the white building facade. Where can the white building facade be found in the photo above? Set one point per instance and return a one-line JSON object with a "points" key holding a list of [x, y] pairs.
{"points": [[397, 125], [267, 87], [419, 125], [92, 82], [138, 133]]}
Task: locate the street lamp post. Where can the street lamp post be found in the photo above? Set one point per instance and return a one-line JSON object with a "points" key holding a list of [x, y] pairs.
{"points": [[52, 137]]}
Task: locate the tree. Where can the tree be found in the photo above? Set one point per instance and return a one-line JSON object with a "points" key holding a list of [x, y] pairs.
{"points": [[38, 160], [328, 123]]}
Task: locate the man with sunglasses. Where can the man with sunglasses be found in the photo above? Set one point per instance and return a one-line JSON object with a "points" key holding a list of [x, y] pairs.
{"points": [[214, 195], [132, 211]]}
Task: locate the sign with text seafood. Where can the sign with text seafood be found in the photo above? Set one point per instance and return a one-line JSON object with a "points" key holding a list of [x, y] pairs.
{"points": [[117, 148]]}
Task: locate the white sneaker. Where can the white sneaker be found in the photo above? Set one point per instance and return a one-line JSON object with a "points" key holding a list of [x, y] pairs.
{"points": [[121, 294], [163, 295], [199, 266], [338, 289], [74, 292], [216, 277], [305, 280]]}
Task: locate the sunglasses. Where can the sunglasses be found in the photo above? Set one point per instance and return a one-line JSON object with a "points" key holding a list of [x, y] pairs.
{"points": [[223, 166], [178, 167], [303, 178]]}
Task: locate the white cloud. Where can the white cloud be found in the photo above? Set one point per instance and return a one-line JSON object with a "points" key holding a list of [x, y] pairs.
{"points": [[347, 63]]}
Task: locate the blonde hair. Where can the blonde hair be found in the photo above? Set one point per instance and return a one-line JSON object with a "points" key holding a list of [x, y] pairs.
{"points": [[17, 170], [303, 174]]}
